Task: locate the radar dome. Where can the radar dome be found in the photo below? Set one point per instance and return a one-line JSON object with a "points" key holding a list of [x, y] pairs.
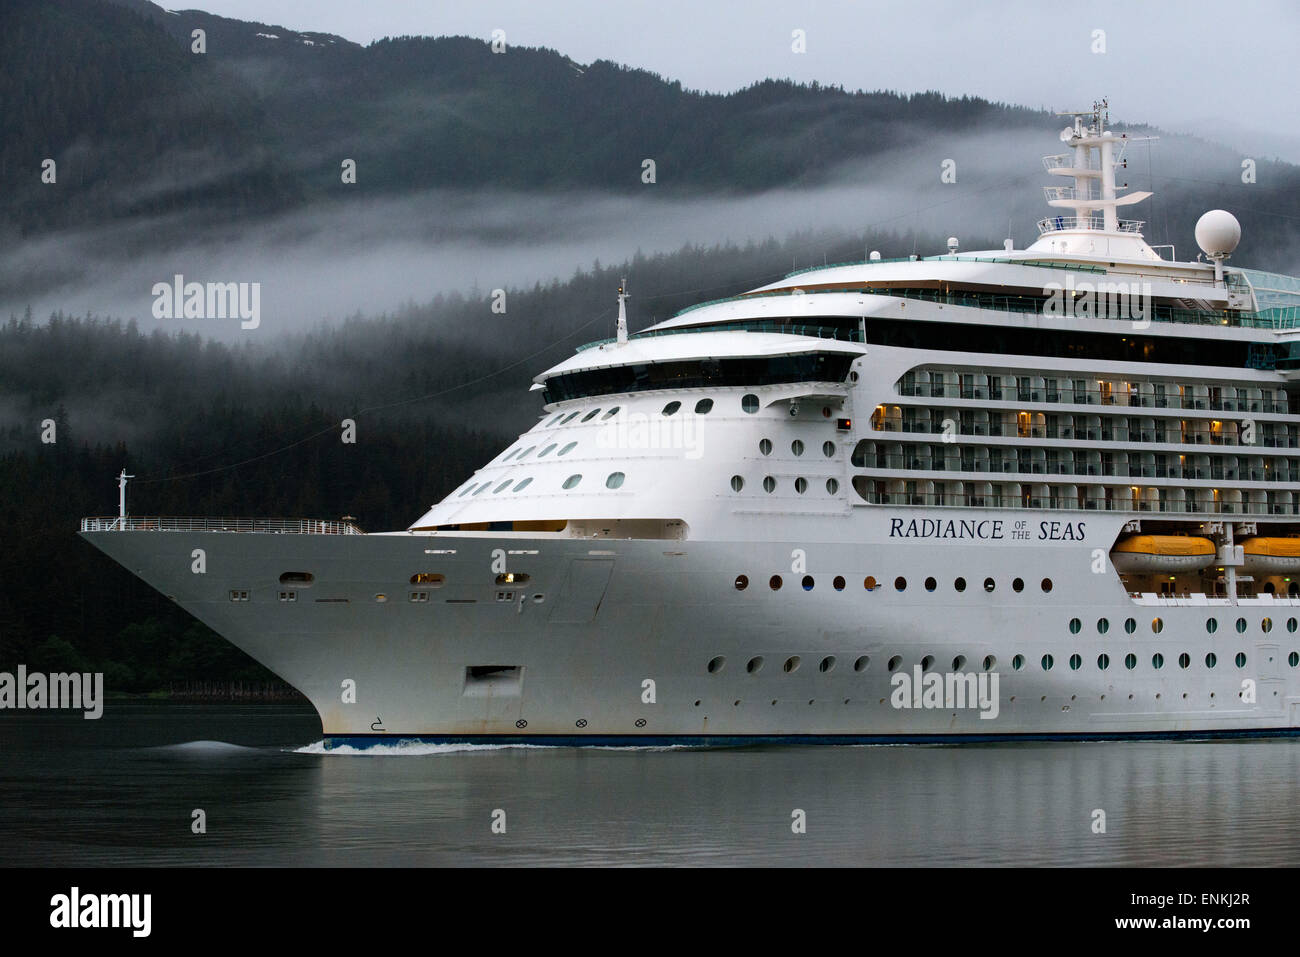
{"points": [[1217, 233]]}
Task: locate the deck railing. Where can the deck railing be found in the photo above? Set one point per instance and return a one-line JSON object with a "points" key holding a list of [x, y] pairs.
{"points": [[263, 526]]}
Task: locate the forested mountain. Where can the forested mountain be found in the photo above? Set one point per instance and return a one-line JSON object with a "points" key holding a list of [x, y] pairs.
{"points": [[260, 122]]}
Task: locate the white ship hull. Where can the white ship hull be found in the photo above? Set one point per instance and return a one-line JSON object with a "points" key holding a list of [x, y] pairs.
{"points": [[616, 614]]}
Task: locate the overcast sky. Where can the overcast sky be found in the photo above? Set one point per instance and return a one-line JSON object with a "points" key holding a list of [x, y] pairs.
{"points": [[1225, 71]]}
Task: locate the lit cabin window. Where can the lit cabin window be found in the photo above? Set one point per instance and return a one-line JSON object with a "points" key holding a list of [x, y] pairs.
{"points": [[302, 579], [704, 406], [615, 480], [572, 481], [512, 578], [428, 579], [522, 484]]}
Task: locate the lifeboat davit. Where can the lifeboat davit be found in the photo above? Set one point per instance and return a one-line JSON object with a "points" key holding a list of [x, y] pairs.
{"points": [[1271, 556], [1163, 553]]}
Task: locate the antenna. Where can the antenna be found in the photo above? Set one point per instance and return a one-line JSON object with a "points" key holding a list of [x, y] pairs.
{"points": [[621, 333], [121, 495]]}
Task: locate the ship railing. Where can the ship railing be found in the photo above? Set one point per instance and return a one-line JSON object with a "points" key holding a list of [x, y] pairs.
{"points": [[1053, 224], [173, 523]]}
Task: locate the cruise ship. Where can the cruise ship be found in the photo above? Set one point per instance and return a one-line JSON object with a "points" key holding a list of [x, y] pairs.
{"points": [[1049, 493]]}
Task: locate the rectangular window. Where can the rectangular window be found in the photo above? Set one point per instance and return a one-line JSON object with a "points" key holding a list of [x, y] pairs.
{"points": [[238, 594]]}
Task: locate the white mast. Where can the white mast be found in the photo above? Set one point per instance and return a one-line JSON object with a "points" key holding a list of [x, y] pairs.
{"points": [[121, 496], [622, 312]]}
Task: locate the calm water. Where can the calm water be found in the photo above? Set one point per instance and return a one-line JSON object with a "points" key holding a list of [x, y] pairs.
{"points": [[121, 790]]}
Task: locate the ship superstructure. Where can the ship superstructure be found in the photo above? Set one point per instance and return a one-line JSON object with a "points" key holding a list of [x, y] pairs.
{"points": [[1047, 492]]}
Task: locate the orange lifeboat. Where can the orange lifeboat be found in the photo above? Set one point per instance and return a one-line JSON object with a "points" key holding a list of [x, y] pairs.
{"points": [[1270, 556], [1162, 553]]}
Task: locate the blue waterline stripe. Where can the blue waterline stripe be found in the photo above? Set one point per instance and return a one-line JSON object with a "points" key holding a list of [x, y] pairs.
{"points": [[363, 741]]}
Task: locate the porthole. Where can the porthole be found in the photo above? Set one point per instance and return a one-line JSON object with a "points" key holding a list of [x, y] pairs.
{"points": [[801, 485], [862, 663], [502, 486], [522, 484], [754, 665], [749, 403], [1130, 661], [900, 583], [1211, 625], [927, 662], [931, 584], [1045, 585], [838, 583], [832, 486], [527, 452], [826, 664], [554, 420], [610, 414], [572, 481], [807, 583], [1017, 662], [774, 583], [1211, 660], [570, 417], [791, 664], [482, 488], [672, 407], [715, 664], [1047, 661], [615, 480], [765, 446], [547, 451], [1076, 661], [1184, 660], [1103, 661], [989, 662], [989, 584], [797, 446], [567, 449], [1157, 625], [959, 584], [1130, 625], [828, 449], [704, 406], [1293, 659], [1240, 659], [1017, 585], [1266, 625], [1157, 660], [742, 582], [591, 415], [870, 583], [1291, 625], [1241, 626], [513, 578], [737, 483], [430, 579], [1103, 626], [769, 484], [1075, 625], [959, 663], [302, 579], [465, 489], [512, 455], [894, 662]]}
